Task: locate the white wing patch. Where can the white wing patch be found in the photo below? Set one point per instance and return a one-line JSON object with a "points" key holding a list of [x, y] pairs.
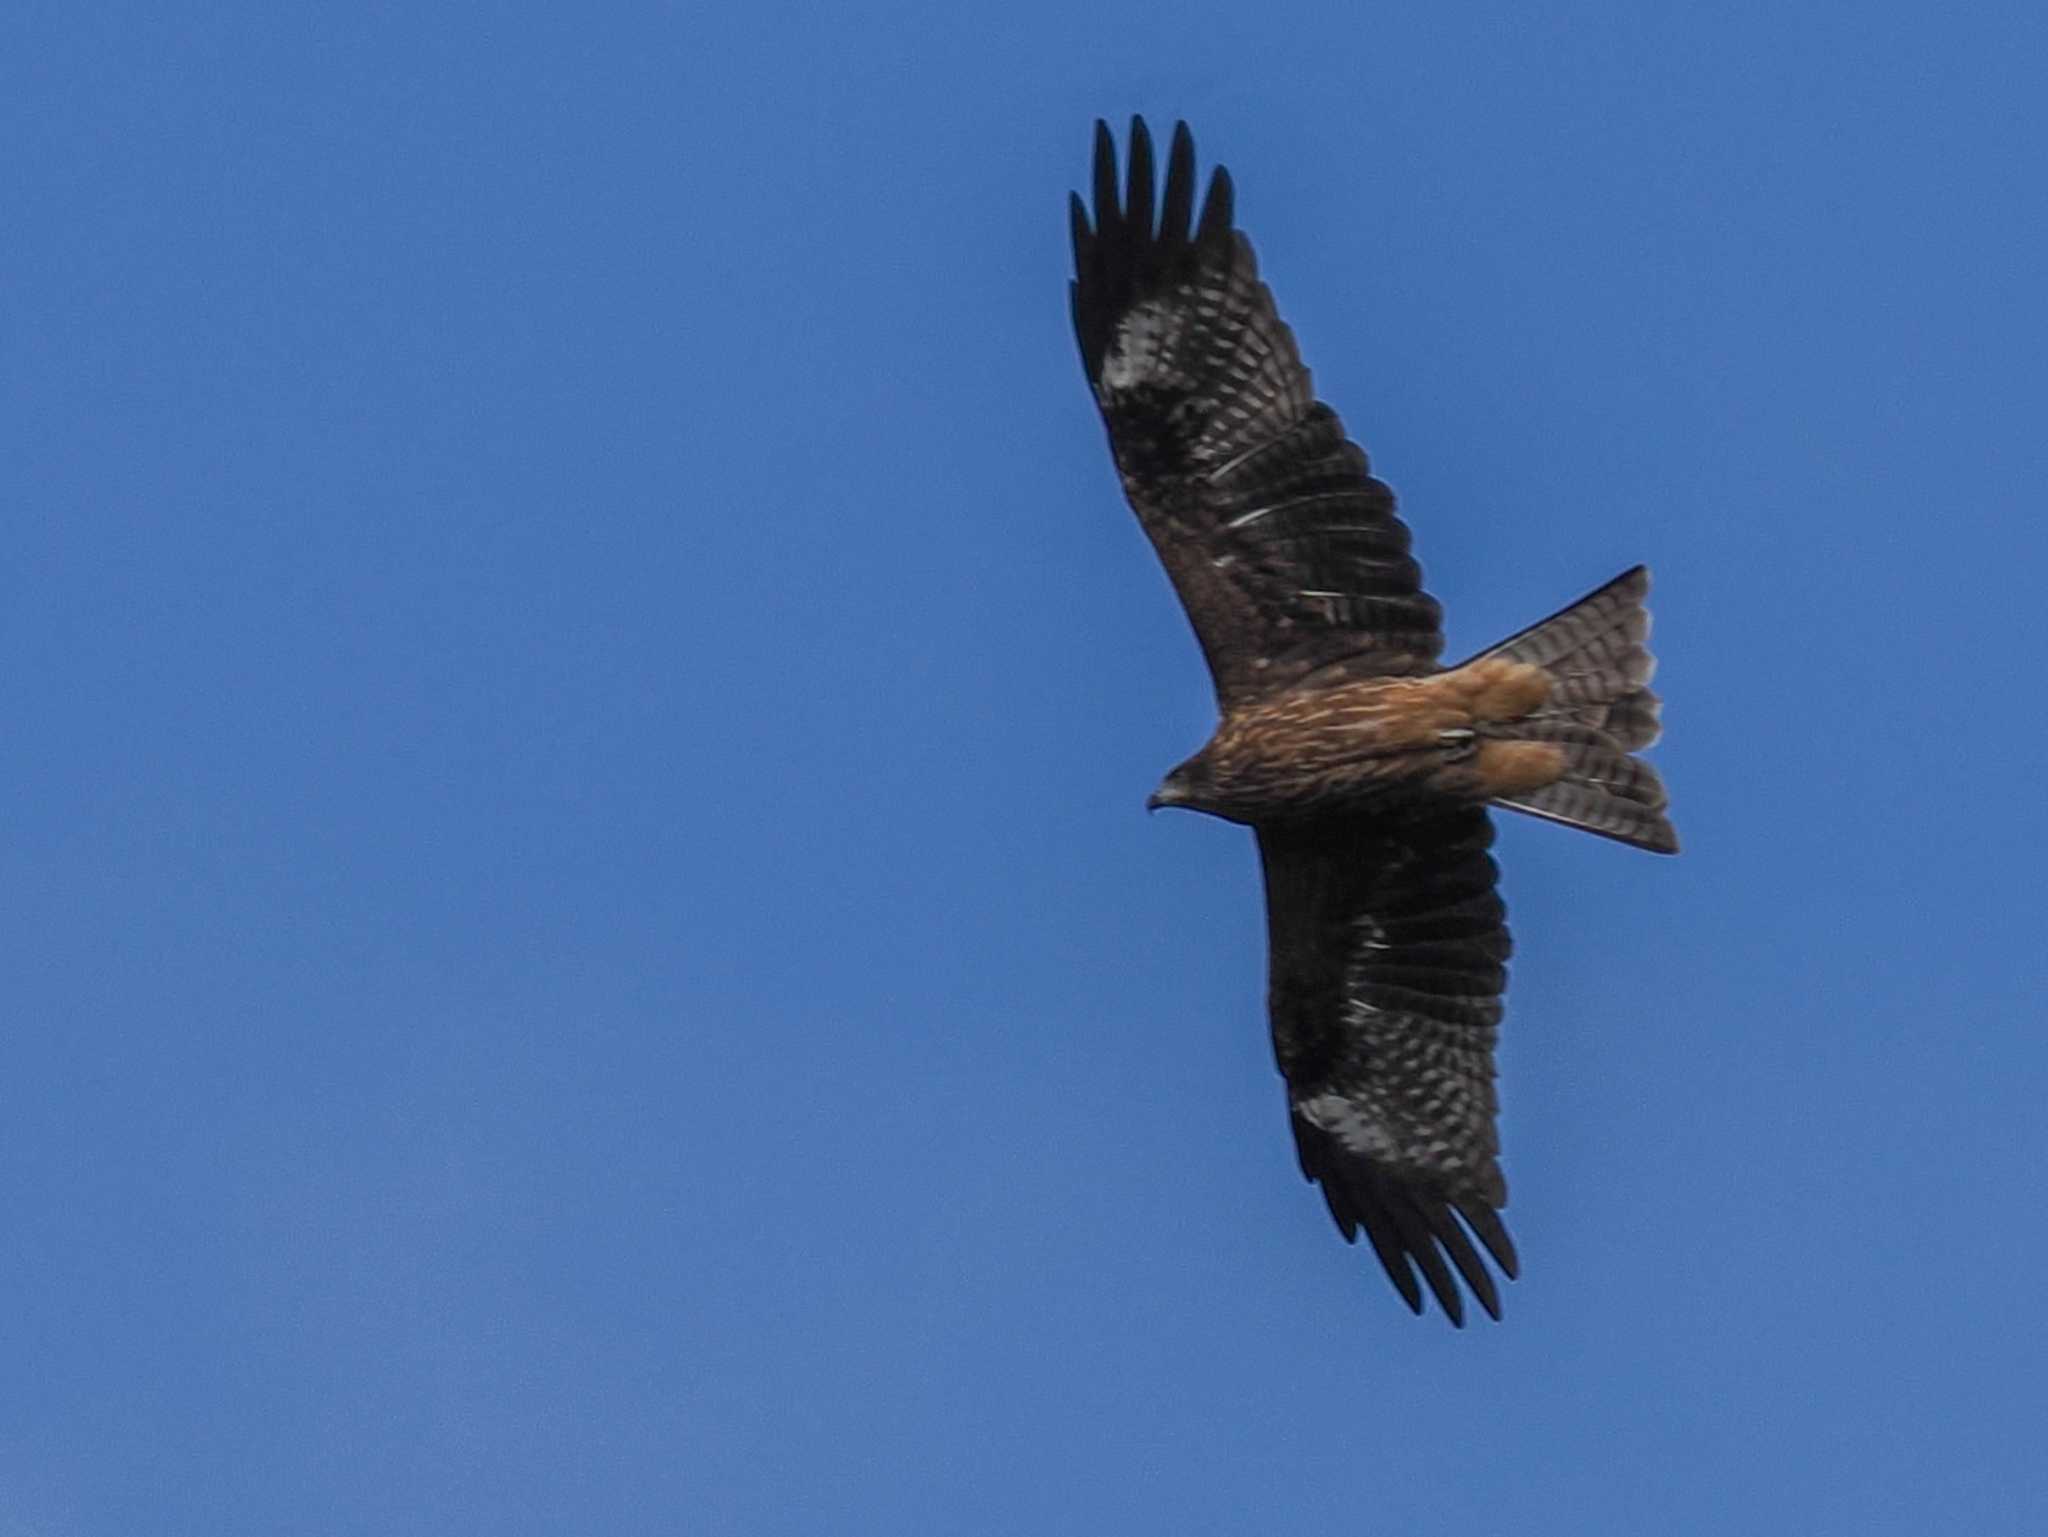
{"points": [[1354, 1127], [1145, 341]]}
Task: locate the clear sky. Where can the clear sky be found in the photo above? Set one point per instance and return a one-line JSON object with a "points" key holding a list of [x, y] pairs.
{"points": [[582, 948]]}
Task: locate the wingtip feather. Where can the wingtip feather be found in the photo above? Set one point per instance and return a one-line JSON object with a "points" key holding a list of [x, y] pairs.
{"points": [[1083, 233], [1459, 1248], [1486, 1225], [1219, 209], [1422, 1249], [1138, 193], [1178, 208], [1108, 213], [1393, 1257]]}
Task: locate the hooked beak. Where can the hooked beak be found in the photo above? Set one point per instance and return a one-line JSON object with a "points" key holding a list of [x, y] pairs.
{"points": [[1165, 795]]}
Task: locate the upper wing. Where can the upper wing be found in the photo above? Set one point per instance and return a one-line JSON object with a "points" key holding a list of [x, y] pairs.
{"points": [[1285, 550], [1389, 946]]}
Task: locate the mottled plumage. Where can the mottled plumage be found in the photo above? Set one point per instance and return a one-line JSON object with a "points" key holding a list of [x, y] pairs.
{"points": [[1365, 766]]}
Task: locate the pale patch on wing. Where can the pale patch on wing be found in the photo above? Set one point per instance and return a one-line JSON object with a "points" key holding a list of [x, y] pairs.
{"points": [[1142, 352], [1244, 519], [1350, 1123]]}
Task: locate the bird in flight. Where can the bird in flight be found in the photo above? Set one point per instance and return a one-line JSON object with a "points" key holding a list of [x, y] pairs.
{"points": [[1364, 765]]}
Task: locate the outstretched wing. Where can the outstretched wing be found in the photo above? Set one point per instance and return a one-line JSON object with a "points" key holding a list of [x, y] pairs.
{"points": [[1389, 946], [1284, 549]]}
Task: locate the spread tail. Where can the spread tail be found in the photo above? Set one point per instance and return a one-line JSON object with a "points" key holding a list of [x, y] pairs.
{"points": [[1599, 711]]}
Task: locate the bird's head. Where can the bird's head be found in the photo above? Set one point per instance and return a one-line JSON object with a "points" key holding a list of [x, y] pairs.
{"points": [[1182, 787]]}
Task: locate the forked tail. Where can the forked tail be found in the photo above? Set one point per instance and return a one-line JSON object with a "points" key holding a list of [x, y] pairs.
{"points": [[1599, 712]]}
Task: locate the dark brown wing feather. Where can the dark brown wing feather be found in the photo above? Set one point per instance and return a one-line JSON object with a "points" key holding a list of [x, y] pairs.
{"points": [[1389, 951], [1285, 550]]}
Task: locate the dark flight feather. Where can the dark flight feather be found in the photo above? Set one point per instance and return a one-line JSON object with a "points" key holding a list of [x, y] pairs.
{"points": [[1389, 949], [1286, 552]]}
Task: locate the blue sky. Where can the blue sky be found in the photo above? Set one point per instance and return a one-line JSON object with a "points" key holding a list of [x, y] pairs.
{"points": [[584, 953]]}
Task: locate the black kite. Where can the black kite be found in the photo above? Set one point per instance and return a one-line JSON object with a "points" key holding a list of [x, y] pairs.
{"points": [[1365, 766]]}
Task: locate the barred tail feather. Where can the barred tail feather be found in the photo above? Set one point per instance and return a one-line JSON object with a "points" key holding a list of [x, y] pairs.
{"points": [[1600, 711], [1597, 806]]}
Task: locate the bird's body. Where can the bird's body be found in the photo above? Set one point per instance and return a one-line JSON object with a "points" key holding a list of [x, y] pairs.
{"points": [[1385, 743], [1365, 765]]}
